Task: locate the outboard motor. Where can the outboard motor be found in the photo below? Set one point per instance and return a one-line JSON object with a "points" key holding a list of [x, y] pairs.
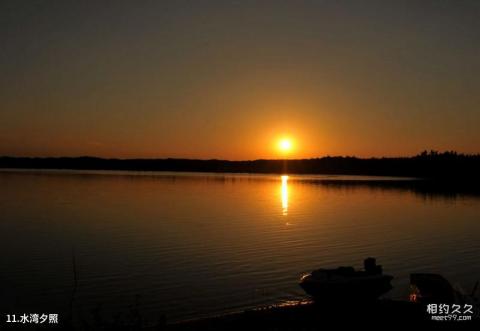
{"points": [[371, 267]]}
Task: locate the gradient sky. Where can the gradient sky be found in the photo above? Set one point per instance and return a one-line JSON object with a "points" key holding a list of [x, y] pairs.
{"points": [[227, 79]]}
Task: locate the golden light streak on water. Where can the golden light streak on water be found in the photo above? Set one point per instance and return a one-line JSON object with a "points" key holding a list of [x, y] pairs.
{"points": [[285, 195]]}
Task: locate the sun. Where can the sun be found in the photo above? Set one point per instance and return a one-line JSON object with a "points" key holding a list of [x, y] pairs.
{"points": [[285, 145]]}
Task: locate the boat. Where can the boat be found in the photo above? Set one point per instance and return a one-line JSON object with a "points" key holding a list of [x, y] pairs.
{"points": [[431, 288], [346, 283], [434, 288]]}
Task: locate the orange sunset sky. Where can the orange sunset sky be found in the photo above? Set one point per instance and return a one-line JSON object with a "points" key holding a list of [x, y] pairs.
{"points": [[229, 79]]}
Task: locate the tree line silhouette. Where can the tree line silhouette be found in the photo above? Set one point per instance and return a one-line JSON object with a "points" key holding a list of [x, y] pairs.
{"points": [[428, 164]]}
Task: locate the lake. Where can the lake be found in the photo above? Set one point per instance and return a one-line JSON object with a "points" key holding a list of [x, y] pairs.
{"points": [[190, 245]]}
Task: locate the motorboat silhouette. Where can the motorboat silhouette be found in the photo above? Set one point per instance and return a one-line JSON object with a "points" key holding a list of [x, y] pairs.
{"points": [[346, 283]]}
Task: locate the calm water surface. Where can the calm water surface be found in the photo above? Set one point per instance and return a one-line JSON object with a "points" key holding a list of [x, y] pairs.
{"points": [[191, 245]]}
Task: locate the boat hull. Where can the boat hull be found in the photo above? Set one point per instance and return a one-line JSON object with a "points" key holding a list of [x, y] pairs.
{"points": [[356, 289]]}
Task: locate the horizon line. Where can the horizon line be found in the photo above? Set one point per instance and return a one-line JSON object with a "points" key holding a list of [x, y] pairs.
{"points": [[424, 153]]}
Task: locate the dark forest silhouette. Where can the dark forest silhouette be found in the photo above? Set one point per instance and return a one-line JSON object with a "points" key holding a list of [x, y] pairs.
{"points": [[432, 165]]}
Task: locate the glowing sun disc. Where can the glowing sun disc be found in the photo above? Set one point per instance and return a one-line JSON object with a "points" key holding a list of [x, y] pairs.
{"points": [[285, 145]]}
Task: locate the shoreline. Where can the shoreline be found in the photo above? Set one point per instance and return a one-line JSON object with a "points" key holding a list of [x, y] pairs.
{"points": [[313, 316], [435, 166]]}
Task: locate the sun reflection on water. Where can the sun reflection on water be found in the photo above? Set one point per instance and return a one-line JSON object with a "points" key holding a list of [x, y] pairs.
{"points": [[284, 195]]}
